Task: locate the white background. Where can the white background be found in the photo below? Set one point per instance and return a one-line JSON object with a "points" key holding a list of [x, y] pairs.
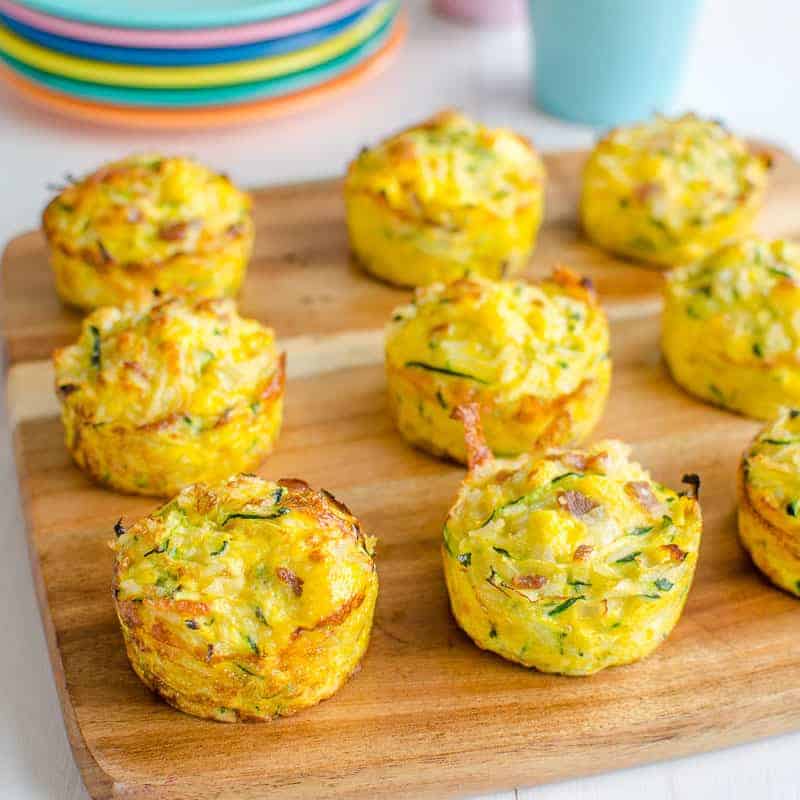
{"points": [[744, 68]]}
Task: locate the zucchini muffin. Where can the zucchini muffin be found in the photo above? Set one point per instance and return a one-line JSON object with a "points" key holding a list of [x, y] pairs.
{"points": [[670, 191], [769, 501], [246, 600], [157, 398], [445, 199], [535, 359], [731, 330], [568, 562], [148, 223]]}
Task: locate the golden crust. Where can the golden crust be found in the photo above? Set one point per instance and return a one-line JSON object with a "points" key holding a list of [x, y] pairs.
{"points": [[246, 600], [769, 501], [731, 334], [570, 562], [148, 223], [157, 398], [445, 199], [534, 359], [670, 191]]}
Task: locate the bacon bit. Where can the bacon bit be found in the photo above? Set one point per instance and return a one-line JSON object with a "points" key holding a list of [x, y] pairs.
{"points": [[504, 475], [692, 480], [478, 451], [577, 503], [579, 462], [644, 191], [566, 277], [135, 366], [278, 380], [209, 653], [293, 483], [66, 389], [441, 328], [641, 491], [575, 461], [160, 424], [237, 229], [675, 553], [598, 462], [175, 231], [290, 579], [316, 555], [569, 279], [582, 552], [528, 581]]}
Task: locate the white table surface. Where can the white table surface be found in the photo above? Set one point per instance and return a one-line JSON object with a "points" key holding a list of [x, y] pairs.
{"points": [[745, 69]]}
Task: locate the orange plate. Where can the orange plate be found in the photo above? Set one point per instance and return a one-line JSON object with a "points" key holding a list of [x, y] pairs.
{"points": [[213, 116]]}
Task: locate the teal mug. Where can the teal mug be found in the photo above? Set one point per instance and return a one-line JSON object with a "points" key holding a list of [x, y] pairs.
{"points": [[606, 62]]}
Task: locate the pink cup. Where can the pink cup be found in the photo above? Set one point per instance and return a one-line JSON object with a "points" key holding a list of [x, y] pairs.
{"points": [[483, 12]]}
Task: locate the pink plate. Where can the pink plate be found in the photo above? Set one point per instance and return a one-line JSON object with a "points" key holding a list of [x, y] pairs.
{"points": [[186, 38]]}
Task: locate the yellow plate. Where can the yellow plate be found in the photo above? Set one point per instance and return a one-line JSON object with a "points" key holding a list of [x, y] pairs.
{"points": [[85, 69]]}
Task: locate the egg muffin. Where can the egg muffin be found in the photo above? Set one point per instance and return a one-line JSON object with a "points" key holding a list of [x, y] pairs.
{"points": [[535, 358], [246, 600], [445, 199], [154, 399], [769, 501], [731, 329], [148, 222], [570, 561], [670, 191]]}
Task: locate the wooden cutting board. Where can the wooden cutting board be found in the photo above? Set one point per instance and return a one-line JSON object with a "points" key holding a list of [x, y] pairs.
{"points": [[429, 715]]}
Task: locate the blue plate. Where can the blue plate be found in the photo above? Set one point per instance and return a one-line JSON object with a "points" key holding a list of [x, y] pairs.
{"points": [[168, 58], [162, 14], [214, 96]]}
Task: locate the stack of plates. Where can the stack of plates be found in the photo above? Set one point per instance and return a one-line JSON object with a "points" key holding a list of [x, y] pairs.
{"points": [[192, 62]]}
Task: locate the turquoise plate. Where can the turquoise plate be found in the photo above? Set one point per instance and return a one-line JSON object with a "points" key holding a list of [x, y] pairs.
{"points": [[171, 13], [213, 96]]}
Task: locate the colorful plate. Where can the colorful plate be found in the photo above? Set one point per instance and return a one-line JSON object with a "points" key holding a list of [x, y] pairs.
{"points": [[171, 13], [221, 116], [213, 96], [228, 36], [84, 69], [165, 58]]}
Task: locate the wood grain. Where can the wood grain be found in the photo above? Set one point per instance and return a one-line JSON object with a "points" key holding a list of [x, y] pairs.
{"points": [[429, 715]]}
